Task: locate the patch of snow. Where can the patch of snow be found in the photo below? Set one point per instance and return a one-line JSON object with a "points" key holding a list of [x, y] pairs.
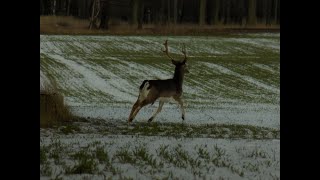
{"points": [[82, 76], [246, 114], [265, 67], [246, 78], [44, 81], [239, 153], [110, 86], [263, 43]]}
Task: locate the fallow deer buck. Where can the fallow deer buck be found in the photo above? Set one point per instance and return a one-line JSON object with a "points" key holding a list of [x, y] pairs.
{"points": [[164, 90]]}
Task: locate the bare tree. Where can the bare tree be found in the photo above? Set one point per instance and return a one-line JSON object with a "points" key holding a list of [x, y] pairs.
{"points": [[175, 11], [252, 19], [240, 11], [54, 7], [68, 7], [141, 13], [169, 9], [215, 12], [162, 12], [181, 11], [41, 7], [228, 12], [104, 16], [135, 11], [95, 10], [202, 11], [269, 11], [276, 11]]}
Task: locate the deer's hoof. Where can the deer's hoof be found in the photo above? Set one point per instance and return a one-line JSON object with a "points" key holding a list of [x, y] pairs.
{"points": [[182, 117], [150, 119]]}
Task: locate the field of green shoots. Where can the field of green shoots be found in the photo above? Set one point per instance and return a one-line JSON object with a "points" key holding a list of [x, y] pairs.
{"points": [[232, 97]]}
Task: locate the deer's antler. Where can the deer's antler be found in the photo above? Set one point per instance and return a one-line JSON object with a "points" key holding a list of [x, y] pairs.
{"points": [[183, 50], [166, 49]]}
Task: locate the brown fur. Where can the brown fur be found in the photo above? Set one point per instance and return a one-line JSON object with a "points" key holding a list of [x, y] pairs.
{"points": [[162, 88]]}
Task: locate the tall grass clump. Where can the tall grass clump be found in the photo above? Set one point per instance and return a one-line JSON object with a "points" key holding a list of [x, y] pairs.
{"points": [[53, 111]]}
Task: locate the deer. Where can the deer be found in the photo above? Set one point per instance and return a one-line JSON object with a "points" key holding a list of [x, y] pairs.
{"points": [[164, 90]]}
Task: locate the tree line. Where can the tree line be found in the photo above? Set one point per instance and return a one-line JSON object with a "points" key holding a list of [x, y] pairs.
{"points": [[139, 12]]}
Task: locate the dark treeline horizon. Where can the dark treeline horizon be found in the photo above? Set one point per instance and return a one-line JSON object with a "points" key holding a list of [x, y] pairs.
{"points": [[138, 12]]}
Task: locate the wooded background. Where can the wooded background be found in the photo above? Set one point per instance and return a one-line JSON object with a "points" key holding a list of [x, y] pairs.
{"points": [[138, 12]]}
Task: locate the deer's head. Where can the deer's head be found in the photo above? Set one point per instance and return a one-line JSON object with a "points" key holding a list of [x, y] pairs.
{"points": [[180, 64]]}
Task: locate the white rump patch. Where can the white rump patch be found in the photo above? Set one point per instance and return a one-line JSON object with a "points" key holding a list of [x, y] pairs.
{"points": [[144, 92]]}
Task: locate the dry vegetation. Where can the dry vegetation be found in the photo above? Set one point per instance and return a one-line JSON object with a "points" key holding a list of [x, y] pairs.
{"points": [[52, 108], [74, 26]]}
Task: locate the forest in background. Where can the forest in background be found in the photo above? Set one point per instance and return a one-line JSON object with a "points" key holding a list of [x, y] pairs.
{"points": [[156, 15]]}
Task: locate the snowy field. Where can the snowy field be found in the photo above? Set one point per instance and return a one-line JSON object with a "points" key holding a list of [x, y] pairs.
{"points": [[232, 96]]}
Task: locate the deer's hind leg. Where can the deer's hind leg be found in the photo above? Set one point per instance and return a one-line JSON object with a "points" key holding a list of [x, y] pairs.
{"points": [[134, 110], [141, 101]]}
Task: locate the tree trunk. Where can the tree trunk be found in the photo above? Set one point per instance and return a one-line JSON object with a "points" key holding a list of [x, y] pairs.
{"points": [[54, 7], [80, 8], [162, 12], [227, 20], [202, 12], [175, 11], [42, 7], [240, 11], [275, 11], [268, 16], [215, 11], [222, 11], [264, 10], [169, 17], [181, 11], [93, 12], [68, 7], [252, 19], [141, 13], [104, 20], [135, 10]]}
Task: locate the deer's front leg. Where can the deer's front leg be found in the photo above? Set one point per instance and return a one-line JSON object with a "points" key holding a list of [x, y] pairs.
{"points": [[157, 112], [180, 102]]}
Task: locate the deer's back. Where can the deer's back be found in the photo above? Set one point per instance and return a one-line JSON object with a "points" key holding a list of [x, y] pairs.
{"points": [[164, 88]]}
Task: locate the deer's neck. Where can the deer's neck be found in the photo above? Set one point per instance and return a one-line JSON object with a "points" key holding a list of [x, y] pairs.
{"points": [[178, 77]]}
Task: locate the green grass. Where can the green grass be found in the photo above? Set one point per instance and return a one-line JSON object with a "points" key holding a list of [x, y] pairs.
{"points": [[45, 169], [257, 153], [144, 157], [70, 128], [212, 86], [102, 155], [232, 131], [203, 153], [43, 154], [56, 151], [97, 158], [124, 155], [85, 163], [209, 81]]}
